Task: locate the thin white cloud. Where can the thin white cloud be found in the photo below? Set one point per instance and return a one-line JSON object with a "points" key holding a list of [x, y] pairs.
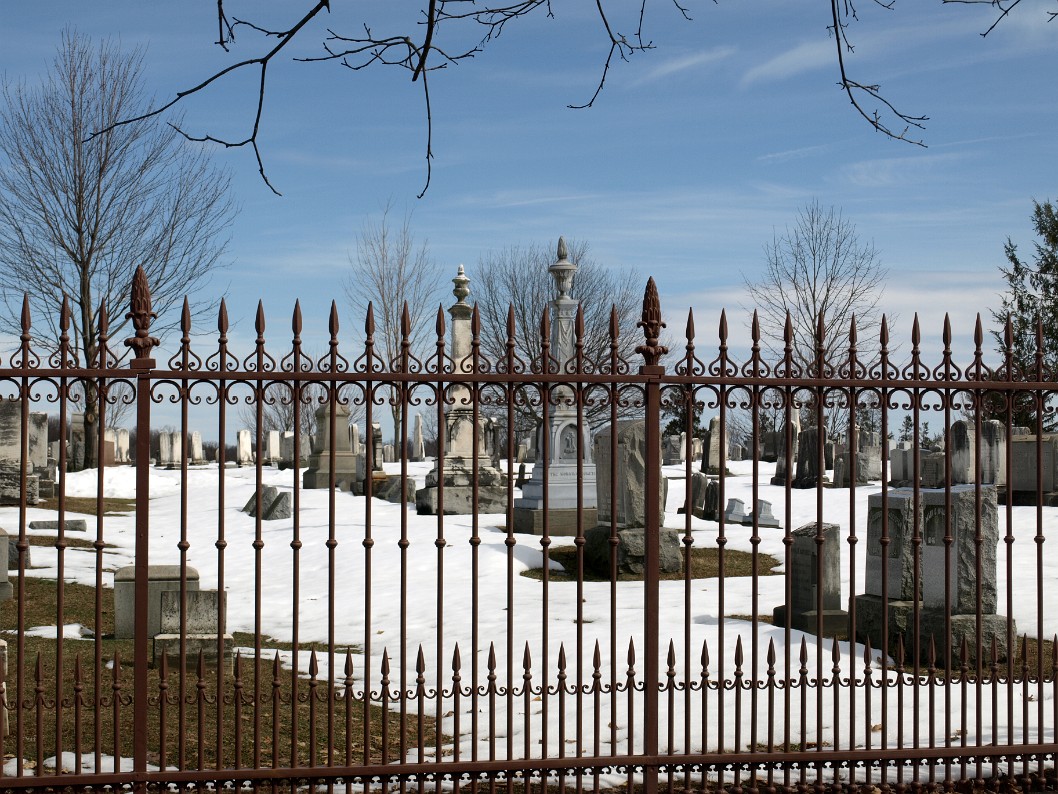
{"points": [[896, 171], [802, 58], [793, 154], [684, 63]]}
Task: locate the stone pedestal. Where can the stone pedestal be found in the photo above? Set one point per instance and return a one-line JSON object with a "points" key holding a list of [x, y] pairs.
{"points": [[901, 620], [631, 550], [457, 478]]}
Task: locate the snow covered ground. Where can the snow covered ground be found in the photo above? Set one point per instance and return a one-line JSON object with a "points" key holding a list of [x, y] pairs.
{"points": [[431, 591]]}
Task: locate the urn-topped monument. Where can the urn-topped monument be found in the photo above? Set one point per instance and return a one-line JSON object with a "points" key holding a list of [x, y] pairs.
{"points": [[568, 470], [450, 485]]}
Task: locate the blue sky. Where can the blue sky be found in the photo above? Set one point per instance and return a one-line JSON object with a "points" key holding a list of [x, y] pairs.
{"points": [[695, 153]]}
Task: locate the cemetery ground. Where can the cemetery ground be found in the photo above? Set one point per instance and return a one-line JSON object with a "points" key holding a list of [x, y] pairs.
{"points": [[193, 515], [197, 686]]}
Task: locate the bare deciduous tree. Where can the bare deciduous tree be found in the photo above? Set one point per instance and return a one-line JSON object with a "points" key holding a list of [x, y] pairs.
{"points": [[434, 35], [517, 277], [393, 274], [819, 268], [78, 212]]}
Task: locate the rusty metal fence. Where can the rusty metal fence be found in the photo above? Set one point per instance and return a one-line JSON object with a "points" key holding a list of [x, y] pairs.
{"points": [[357, 643]]}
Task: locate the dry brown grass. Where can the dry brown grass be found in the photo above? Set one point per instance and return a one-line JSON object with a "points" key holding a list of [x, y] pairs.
{"points": [[94, 695], [86, 505]]}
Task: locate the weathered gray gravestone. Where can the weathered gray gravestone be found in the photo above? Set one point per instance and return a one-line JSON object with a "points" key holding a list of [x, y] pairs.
{"points": [[418, 444], [762, 516], [972, 576], [195, 452], [159, 579], [5, 584], [716, 448], [963, 453], [734, 513], [196, 629], [993, 453], [243, 448], [623, 502], [809, 589], [165, 450], [808, 473], [275, 504], [671, 450]]}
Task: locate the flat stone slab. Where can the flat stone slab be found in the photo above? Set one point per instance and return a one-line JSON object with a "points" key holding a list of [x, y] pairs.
{"points": [[71, 525]]}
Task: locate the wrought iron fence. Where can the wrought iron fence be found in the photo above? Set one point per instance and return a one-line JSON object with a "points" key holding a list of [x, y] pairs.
{"points": [[890, 627]]}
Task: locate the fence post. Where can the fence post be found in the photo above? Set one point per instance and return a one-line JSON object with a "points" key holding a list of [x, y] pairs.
{"points": [[141, 364], [651, 371]]}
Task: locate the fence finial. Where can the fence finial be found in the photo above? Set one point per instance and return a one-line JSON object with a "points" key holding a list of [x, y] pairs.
{"points": [[651, 325], [141, 315]]}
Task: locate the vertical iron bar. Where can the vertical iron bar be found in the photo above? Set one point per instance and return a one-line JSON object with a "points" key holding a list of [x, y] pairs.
{"points": [[651, 371], [140, 313]]}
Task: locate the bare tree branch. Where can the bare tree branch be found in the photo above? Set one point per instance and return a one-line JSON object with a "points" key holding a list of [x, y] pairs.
{"points": [[426, 50]]}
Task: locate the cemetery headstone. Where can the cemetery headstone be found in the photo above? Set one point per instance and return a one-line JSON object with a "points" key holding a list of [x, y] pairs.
{"points": [[177, 448], [165, 450], [275, 504], [734, 513], [243, 448], [808, 474], [623, 502], [197, 458], [160, 578], [197, 628], [815, 580], [347, 465], [418, 444], [716, 449], [570, 471], [929, 530], [6, 590], [762, 515], [123, 445]]}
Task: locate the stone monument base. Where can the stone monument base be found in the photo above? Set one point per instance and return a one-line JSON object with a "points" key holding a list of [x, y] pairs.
{"points": [[459, 500], [387, 488], [631, 550], [931, 624], [168, 646], [561, 521], [835, 621]]}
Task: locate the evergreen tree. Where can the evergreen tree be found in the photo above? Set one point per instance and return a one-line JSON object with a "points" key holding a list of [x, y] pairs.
{"points": [[1031, 297]]}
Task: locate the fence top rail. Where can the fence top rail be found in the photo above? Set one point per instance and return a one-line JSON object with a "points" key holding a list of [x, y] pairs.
{"points": [[546, 353]]}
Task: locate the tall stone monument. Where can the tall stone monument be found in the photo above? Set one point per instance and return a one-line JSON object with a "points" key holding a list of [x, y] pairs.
{"points": [[455, 471], [569, 469]]}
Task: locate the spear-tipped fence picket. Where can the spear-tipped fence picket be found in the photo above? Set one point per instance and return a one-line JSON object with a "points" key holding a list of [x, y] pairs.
{"points": [[373, 653]]}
